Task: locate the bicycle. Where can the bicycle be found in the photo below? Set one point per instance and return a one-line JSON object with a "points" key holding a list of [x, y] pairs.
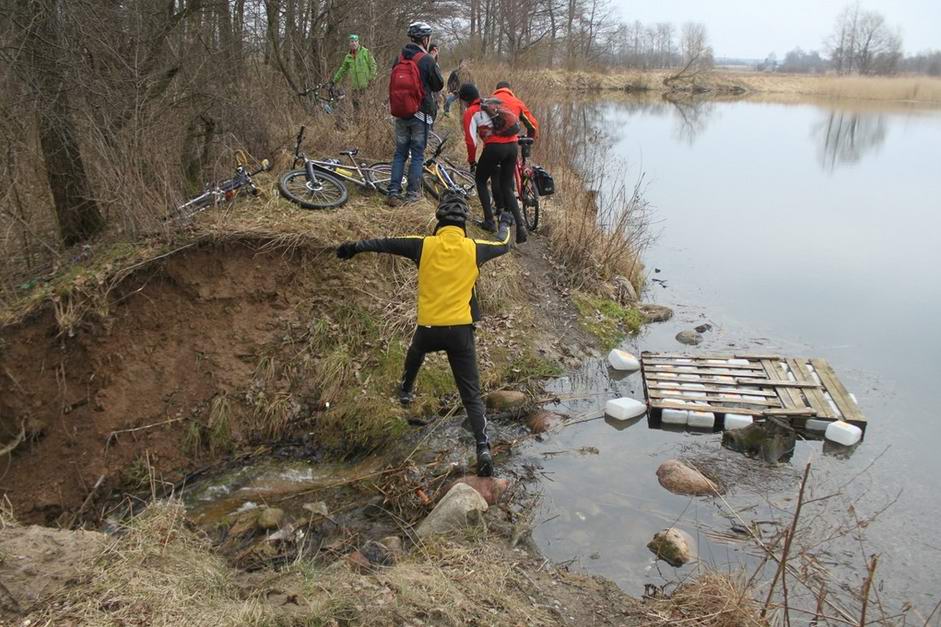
{"points": [[327, 103], [223, 191], [439, 174], [526, 189]]}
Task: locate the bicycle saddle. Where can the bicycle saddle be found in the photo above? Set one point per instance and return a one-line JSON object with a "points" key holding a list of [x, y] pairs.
{"points": [[525, 141], [351, 152]]}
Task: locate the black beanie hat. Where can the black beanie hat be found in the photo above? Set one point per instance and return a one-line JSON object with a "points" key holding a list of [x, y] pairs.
{"points": [[468, 92]]}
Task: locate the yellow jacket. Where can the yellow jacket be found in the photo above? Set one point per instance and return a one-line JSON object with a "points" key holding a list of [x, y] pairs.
{"points": [[448, 267]]}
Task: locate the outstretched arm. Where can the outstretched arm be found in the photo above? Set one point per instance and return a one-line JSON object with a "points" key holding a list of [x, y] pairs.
{"points": [[487, 250], [403, 246], [343, 69]]}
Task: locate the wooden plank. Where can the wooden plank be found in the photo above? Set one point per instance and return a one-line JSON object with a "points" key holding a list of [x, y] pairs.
{"points": [[723, 409], [724, 388], [814, 395], [776, 383], [729, 372], [790, 398], [751, 356], [839, 394], [678, 394], [701, 364]]}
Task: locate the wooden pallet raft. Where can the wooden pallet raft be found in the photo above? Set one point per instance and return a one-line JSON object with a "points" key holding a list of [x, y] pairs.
{"points": [[756, 385]]}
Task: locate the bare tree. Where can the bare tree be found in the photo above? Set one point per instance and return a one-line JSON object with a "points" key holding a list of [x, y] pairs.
{"points": [[862, 42]]}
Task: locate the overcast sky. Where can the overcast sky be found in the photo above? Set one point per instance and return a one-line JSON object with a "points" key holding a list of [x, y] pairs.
{"points": [[753, 28]]}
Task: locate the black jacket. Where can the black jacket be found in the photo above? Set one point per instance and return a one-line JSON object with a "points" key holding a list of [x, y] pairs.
{"points": [[431, 78]]}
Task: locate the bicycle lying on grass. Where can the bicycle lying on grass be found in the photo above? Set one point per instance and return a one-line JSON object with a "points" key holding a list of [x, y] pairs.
{"points": [[438, 175], [223, 191], [319, 184], [324, 96]]}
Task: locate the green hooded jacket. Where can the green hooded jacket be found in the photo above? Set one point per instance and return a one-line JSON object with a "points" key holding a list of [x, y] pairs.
{"points": [[361, 67]]}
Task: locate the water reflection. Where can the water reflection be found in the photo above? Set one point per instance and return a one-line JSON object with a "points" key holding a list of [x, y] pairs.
{"points": [[691, 117], [846, 137]]}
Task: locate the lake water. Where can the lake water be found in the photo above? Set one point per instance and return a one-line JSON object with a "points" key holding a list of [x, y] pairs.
{"points": [[809, 230]]}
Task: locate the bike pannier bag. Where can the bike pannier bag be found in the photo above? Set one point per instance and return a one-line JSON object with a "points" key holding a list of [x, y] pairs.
{"points": [[503, 122], [406, 90], [544, 183]]}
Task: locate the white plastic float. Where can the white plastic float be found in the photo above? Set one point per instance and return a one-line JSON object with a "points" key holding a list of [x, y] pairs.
{"points": [[622, 360], [843, 433], [624, 408], [702, 419], [674, 416], [737, 421]]}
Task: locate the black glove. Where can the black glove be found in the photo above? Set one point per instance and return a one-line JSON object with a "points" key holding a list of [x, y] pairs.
{"points": [[506, 218], [473, 167], [346, 250]]}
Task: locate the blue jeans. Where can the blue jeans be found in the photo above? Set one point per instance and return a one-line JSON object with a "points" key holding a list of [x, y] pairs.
{"points": [[447, 103], [410, 138]]}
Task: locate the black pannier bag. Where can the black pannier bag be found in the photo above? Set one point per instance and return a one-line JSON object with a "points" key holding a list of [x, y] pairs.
{"points": [[544, 183]]}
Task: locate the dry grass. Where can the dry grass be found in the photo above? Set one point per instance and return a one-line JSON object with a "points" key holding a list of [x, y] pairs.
{"points": [[712, 598], [915, 89]]}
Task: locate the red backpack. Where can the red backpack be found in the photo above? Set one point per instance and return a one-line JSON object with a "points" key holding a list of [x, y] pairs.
{"points": [[503, 121], [406, 90]]}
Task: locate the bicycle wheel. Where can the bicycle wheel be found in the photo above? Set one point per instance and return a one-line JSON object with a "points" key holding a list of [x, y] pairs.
{"points": [[530, 202], [326, 192], [381, 174], [463, 177], [432, 185]]}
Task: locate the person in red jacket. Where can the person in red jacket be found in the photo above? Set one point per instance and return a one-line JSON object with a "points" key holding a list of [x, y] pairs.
{"points": [[527, 121], [496, 162]]}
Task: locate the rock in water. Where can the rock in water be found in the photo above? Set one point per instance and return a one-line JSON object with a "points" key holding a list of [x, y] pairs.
{"points": [[461, 507], [679, 478], [542, 421], [673, 546], [772, 441], [491, 488], [503, 400], [689, 337], [270, 518], [626, 294], [655, 313]]}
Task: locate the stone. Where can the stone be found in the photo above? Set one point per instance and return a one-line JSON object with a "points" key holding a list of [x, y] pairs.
{"points": [[270, 518], [503, 400], [491, 488], [655, 313], [679, 478], [689, 337], [772, 440], [541, 421], [703, 328], [673, 546], [358, 562], [319, 508], [461, 507], [625, 292], [378, 553]]}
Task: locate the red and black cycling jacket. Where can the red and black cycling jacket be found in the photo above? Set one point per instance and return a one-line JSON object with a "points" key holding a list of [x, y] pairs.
{"points": [[477, 129]]}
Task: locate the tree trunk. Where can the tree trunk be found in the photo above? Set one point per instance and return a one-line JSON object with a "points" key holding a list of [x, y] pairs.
{"points": [[76, 210]]}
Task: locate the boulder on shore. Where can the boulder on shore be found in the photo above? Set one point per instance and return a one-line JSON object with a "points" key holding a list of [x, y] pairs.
{"points": [[504, 400], [461, 507], [491, 488], [673, 546], [679, 478], [654, 313]]}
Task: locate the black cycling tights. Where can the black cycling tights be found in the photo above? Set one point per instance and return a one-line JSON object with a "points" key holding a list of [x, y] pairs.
{"points": [[497, 163]]}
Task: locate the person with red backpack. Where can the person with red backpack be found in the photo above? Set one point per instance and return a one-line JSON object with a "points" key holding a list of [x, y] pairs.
{"points": [[489, 121], [414, 80]]}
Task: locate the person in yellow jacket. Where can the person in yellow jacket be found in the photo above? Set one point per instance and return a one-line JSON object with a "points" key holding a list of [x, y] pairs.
{"points": [[448, 266], [360, 65]]}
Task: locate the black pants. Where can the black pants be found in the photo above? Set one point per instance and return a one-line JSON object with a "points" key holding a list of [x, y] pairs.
{"points": [[497, 164], [458, 343]]}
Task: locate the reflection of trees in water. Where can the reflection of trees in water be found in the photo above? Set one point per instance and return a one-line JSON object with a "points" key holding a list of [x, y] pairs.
{"points": [[846, 137], [692, 116]]}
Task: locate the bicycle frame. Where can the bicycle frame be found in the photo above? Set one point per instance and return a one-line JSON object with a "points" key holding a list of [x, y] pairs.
{"points": [[221, 192]]}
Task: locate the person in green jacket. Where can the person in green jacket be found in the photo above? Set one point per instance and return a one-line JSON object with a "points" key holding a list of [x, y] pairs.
{"points": [[360, 65]]}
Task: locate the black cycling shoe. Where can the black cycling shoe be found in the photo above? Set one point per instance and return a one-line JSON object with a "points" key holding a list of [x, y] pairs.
{"points": [[406, 397], [521, 234], [484, 460], [487, 225]]}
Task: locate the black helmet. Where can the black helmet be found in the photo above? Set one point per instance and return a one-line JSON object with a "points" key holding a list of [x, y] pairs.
{"points": [[452, 209], [419, 30]]}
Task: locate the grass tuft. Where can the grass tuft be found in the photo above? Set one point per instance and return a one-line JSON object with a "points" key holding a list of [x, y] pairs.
{"points": [[606, 319]]}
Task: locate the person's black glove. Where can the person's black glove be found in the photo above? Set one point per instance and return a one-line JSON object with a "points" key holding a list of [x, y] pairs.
{"points": [[506, 218], [346, 250]]}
